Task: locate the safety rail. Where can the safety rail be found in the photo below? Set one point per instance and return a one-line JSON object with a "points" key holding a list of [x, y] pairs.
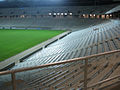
{"points": [[85, 59], [104, 81]]}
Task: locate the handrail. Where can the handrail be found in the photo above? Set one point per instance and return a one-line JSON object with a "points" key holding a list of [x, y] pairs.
{"points": [[103, 81], [58, 63]]}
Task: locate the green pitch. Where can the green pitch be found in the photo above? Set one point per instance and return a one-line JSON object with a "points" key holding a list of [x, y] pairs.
{"points": [[13, 42]]}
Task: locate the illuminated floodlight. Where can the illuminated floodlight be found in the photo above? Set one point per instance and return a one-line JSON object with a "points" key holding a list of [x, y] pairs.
{"points": [[94, 15], [54, 14], [50, 14], [110, 14], [65, 13], [83, 14], [70, 14], [90, 14], [62, 14], [58, 13], [22, 16]]}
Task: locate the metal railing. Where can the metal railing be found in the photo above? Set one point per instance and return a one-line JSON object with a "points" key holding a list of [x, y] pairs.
{"points": [[85, 59], [104, 81]]}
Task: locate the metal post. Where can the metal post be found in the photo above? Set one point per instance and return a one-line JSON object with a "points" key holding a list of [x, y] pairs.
{"points": [[13, 81], [85, 74]]}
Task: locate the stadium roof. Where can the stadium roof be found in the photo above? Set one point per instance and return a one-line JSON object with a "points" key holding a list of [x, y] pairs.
{"points": [[114, 10], [34, 3]]}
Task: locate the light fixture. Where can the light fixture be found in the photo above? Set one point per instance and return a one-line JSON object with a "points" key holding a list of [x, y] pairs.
{"points": [[90, 14], [62, 14], [58, 13], [83, 14], [70, 14], [50, 14], [65, 13], [54, 14]]}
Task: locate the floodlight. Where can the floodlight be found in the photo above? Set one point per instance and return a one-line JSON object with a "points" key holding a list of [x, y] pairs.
{"points": [[65, 13], [83, 14], [70, 14], [58, 13], [62, 14], [90, 14], [50, 14], [54, 14]]}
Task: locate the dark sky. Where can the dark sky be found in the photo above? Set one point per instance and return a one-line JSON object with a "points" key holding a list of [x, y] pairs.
{"points": [[33, 3]]}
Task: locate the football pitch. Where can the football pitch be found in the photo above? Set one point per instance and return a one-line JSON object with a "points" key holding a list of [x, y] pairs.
{"points": [[13, 42]]}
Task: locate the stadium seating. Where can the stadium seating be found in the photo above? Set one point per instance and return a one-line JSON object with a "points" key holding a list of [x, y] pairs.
{"points": [[43, 23], [70, 76], [53, 9], [97, 36], [77, 44], [18, 18]]}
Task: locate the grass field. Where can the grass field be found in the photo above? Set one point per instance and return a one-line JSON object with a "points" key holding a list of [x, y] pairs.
{"points": [[13, 42]]}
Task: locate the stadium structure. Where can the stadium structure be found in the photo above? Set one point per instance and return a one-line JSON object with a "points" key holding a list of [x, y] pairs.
{"points": [[84, 56]]}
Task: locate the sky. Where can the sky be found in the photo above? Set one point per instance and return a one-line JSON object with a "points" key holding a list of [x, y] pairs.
{"points": [[29, 3]]}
